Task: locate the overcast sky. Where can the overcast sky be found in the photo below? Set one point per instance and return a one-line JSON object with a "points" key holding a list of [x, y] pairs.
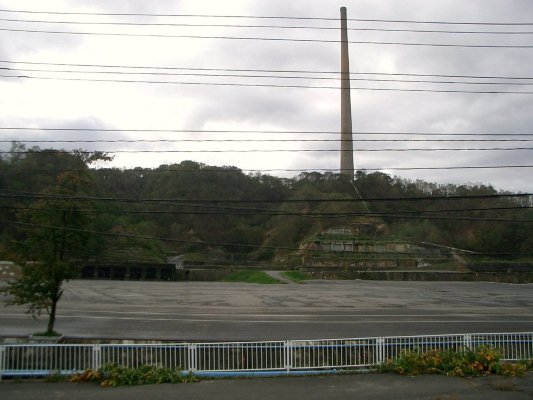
{"points": [[43, 99]]}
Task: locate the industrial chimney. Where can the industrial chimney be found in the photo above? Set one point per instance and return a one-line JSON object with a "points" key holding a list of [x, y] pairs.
{"points": [[347, 167]]}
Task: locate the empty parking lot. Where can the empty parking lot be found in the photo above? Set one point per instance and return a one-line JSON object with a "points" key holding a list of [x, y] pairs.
{"points": [[210, 311]]}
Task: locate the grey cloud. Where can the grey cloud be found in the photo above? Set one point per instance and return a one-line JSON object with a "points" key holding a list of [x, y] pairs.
{"points": [[62, 133], [245, 104], [130, 6]]}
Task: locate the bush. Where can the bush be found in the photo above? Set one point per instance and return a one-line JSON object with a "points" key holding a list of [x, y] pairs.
{"points": [[483, 361], [118, 375]]}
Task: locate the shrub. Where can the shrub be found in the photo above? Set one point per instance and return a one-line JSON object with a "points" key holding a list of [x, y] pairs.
{"points": [[118, 375], [483, 361]]}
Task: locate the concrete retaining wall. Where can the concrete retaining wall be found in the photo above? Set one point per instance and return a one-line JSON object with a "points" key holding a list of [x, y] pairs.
{"points": [[421, 276]]}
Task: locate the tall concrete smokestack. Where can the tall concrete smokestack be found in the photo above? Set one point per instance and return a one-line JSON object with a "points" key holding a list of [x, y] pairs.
{"points": [[346, 104]]}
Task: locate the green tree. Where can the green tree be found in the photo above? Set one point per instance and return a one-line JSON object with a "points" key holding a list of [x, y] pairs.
{"points": [[55, 235]]}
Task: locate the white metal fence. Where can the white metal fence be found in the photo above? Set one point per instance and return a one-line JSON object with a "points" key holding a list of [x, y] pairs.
{"points": [[240, 357]]}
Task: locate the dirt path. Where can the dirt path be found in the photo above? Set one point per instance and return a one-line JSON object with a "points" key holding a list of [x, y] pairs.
{"points": [[280, 277]]}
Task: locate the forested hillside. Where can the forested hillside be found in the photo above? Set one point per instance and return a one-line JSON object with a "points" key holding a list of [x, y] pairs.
{"points": [[199, 209]]}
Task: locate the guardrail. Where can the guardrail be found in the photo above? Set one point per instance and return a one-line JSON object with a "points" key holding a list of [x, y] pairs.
{"points": [[291, 356]]}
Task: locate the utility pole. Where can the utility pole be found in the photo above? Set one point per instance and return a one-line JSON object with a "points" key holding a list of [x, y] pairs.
{"points": [[347, 167]]}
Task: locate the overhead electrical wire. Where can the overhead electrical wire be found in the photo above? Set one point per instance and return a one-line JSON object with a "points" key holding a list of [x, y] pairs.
{"points": [[272, 150], [261, 70], [303, 170], [299, 27], [255, 211], [510, 23], [256, 85], [33, 195], [199, 242], [22, 141], [222, 210], [201, 131], [100, 72], [332, 215], [268, 39]]}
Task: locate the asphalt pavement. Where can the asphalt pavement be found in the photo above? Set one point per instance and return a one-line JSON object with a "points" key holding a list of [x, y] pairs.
{"points": [[360, 386], [211, 311]]}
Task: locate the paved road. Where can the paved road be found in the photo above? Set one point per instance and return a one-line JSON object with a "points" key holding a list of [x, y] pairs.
{"points": [[352, 387], [207, 311]]}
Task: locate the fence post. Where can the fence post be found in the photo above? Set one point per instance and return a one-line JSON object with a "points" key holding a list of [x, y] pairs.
{"points": [[287, 350], [193, 359], [380, 349], [467, 341], [97, 356], [2, 360]]}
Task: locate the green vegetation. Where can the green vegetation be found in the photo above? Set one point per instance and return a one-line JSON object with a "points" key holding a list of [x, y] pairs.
{"points": [[483, 361], [117, 375], [206, 217], [54, 239], [297, 276], [57, 377], [250, 277]]}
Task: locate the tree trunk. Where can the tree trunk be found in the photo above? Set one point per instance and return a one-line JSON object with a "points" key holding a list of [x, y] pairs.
{"points": [[52, 317]]}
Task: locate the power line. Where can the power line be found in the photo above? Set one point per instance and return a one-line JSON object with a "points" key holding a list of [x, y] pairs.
{"points": [[258, 140], [270, 17], [262, 211], [256, 85], [100, 72], [299, 27], [270, 170], [34, 195], [198, 242], [187, 25], [273, 150], [269, 39], [183, 241], [262, 70], [307, 132], [174, 36], [447, 168], [226, 171], [332, 215], [240, 211]]}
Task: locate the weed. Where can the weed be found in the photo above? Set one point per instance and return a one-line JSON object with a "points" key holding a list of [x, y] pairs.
{"points": [[47, 334], [55, 377], [118, 375], [483, 361], [512, 369]]}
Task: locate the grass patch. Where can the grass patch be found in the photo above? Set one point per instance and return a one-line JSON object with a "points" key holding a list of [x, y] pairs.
{"points": [[297, 276], [56, 377], [248, 276]]}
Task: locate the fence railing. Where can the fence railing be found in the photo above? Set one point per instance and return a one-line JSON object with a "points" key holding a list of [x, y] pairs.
{"points": [[241, 357]]}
